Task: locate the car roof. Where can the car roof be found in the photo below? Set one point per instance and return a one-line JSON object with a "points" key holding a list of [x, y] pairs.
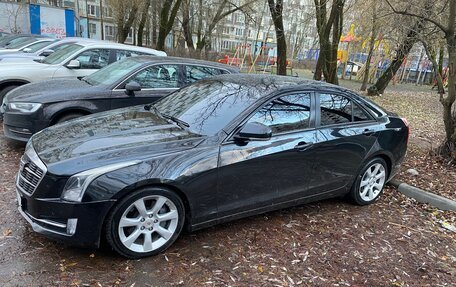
{"points": [[271, 83], [158, 59], [113, 45]]}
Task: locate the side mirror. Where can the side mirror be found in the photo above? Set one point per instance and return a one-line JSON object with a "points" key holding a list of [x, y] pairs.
{"points": [[253, 131], [73, 64], [46, 53], [26, 50], [132, 87]]}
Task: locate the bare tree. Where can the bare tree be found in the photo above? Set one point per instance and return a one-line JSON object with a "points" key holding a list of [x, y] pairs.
{"points": [[327, 58], [442, 15], [168, 13], [124, 13], [143, 21], [276, 8]]}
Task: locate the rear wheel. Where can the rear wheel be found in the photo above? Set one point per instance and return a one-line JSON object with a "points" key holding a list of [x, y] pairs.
{"points": [[145, 223], [370, 181]]}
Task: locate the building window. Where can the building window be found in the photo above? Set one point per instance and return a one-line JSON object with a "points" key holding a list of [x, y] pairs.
{"points": [[93, 10], [92, 28], [109, 30]]}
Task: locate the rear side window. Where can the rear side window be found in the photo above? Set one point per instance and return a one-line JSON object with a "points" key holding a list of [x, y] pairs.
{"points": [[196, 73], [122, 54], [337, 109], [285, 114], [94, 58]]}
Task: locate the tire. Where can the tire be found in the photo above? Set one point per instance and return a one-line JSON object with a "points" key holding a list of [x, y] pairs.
{"points": [[5, 91], [68, 117], [369, 183], [139, 237]]}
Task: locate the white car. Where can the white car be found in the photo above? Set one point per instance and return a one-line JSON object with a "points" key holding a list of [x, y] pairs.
{"points": [[20, 44], [74, 61]]}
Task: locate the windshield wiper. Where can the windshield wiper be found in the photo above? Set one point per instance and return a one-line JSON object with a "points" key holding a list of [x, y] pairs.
{"points": [[84, 80], [176, 120], [179, 122]]}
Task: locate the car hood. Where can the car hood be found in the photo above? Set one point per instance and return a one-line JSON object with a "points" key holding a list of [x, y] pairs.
{"points": [[53, 91], [11, 68], [115, 136]]}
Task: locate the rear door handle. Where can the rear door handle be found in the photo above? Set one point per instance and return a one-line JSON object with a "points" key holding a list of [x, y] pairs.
{"points": [[302, 146], [368, 132]]}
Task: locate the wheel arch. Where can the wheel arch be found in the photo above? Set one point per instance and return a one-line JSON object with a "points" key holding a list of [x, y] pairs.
{"points": [[12, 82], [61, 113], [157, 184]]}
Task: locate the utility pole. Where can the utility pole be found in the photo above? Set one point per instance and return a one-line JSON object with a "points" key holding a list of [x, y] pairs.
{"points": [[87, 16], [101, 19]]}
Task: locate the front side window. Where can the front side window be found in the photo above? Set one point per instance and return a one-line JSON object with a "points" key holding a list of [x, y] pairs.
{"points": [[114, 72], [285, 114], [196, 73], [94, 58], [157, 77]]}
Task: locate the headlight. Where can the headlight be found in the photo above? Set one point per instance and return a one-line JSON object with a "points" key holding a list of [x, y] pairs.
{"points": [[24, 107], [76, 185]]}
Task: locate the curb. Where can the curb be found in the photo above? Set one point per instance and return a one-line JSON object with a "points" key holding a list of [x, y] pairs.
{"points": [[423, 196]]}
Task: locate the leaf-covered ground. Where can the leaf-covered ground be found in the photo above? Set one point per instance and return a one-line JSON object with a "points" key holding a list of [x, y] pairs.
{"points": [[394, 242]]}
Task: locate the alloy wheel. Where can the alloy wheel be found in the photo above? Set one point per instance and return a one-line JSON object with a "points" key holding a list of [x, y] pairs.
{"points": [[148, 223], [372, 182]]}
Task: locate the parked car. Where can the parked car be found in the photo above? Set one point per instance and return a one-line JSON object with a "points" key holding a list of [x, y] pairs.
{"points": [[38, 51], [24, 43], [4, 34], [220, 149], [75, 60], [131, 81], [13, 38]]}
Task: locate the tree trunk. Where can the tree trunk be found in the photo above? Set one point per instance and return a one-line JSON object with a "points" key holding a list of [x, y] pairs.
{"points": [[276, 13], [186, 24], [401, 53], [124, 27], [449, 118], [142, 22], [371, 48], [327, 58], [167, 16]]}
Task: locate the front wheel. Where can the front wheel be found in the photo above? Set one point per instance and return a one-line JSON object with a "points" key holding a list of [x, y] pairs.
{"points": [[145, 223], [370, 182]]}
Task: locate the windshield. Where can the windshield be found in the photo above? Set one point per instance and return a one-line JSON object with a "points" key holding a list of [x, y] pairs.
{"points": [[62, 55], [20, 42], [112, 73], [37, 46], [7, 39], [208, 106]]}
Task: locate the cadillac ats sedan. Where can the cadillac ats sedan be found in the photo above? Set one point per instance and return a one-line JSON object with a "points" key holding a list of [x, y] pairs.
{"points": [[220, 149]]}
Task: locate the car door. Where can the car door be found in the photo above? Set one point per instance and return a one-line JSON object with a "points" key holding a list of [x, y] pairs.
{"points": [[90, 60], [156, 81], [256, 174], [346, 133]]}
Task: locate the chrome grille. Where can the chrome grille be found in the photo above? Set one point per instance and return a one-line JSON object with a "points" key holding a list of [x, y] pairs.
{"points": [[31, 172]]}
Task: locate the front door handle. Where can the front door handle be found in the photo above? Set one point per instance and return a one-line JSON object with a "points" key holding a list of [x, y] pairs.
{"points": [[368, 132], [302, 146]]}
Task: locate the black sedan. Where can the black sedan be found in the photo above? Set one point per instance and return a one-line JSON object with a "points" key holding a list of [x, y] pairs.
{"points": [[220, 149], [132, 81]]}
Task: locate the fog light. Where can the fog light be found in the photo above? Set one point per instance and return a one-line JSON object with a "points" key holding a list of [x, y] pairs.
{"points": [[21, 131], [71, 226]]}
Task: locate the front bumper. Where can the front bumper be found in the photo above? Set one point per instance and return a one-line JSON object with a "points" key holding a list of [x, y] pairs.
{"points": [[78, 224], [21, 127]]}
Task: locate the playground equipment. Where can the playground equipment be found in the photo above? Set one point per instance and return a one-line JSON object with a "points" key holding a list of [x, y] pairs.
{"points": [[380, 54], [344, 54]]}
